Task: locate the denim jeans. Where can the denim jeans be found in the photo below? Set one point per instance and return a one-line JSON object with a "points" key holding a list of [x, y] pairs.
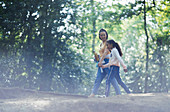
{"points": [[114, 70], [114, 75], [100, 76], [120, 82]]}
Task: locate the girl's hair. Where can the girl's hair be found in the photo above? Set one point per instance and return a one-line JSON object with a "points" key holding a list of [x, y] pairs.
{"points": [[114, 44], [103, 30]]}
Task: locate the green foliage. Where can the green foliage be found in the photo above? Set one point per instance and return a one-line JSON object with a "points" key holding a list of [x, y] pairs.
{"points": [[124, 23], [36, 42]]}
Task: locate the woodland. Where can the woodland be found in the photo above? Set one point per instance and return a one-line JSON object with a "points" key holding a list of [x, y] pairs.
{"points": [[47, 45]]}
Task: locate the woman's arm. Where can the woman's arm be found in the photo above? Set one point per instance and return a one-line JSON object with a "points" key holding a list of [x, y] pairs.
{"points": [[106, 51]]}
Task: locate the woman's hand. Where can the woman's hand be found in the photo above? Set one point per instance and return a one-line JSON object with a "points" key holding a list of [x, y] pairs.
{"points": [[96, 57]]}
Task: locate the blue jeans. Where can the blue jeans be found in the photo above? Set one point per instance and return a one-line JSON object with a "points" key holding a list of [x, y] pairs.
{"points": [[114, 70], [114, 75], [100, 77], [120, 82]]}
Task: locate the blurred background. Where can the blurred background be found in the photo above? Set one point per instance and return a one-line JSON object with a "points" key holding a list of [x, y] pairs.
{"points": [[47, 44]]}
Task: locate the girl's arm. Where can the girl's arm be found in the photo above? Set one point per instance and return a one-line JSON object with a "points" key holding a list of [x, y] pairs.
{"points": [[116, 53]]}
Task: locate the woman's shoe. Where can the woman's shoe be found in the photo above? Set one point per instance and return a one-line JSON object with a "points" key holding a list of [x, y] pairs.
{"points": [[91, 95]]}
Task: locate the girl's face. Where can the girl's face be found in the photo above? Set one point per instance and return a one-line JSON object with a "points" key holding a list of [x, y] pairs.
{"points": [[109, 46], [103, 36]]}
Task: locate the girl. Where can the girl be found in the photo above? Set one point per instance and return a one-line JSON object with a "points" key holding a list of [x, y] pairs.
{"points": [[114, 64], [104, 59]]}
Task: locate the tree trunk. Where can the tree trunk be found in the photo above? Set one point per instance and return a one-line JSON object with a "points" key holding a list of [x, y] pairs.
{"points": [[94, 25], [147, 51], [46, 75]]}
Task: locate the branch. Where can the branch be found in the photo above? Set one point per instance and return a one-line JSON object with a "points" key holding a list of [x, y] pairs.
{"points": [[163, 10]]}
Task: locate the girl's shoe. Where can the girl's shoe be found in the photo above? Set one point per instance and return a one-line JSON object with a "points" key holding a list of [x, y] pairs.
{"points": [[102, 96]]}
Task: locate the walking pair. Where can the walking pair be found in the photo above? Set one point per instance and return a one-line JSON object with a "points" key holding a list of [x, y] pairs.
{"points": [[110, 53]]}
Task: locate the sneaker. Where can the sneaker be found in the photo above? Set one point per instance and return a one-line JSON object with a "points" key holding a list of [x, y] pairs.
{"points": [[102, 96]]}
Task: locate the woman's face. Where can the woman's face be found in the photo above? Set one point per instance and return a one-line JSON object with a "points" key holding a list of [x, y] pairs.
{"points": [[103, 36]]}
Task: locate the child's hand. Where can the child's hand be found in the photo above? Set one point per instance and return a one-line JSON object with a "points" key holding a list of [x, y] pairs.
{"points": [[125, 70]]}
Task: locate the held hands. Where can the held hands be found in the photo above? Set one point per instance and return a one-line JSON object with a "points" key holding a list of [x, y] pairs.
{"points": [[103, 66]]}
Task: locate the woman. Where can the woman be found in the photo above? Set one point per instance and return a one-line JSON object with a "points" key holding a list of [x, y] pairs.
{"points": [[104, 59]]}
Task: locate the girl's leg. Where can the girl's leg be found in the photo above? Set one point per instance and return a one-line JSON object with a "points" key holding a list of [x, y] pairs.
{"points": [[107, 87], [111, 79], [99, 78], [120, 82], [116, 86]]}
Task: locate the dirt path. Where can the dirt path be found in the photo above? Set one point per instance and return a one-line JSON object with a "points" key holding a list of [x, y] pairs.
{"points": [[20, 100]]}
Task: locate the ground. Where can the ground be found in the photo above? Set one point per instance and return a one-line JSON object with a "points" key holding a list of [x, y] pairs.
{"points": [[21, 100]]}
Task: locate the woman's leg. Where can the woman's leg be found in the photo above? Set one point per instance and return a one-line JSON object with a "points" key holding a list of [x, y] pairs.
{"points": [[99, 78], [120, 82]]}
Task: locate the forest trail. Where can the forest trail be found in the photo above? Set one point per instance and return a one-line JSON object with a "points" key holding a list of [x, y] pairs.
{"points": [[21, 100]]}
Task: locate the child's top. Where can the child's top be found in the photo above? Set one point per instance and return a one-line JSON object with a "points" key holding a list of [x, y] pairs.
{"points": [[115, 59]]}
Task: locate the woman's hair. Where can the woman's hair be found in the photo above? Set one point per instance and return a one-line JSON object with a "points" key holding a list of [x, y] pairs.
{"points": [[103, 30], [114, 44]]}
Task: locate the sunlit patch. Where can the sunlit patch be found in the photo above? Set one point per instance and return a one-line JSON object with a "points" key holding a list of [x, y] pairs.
{"points": [[69, 101], [146, 94], [168, 95]]}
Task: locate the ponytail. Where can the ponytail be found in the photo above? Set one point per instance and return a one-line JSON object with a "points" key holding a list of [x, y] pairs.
{"points": [[119, 49]]}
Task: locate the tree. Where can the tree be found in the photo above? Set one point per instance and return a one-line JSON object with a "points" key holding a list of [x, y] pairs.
{"points": [[40, 39], [147, 48]]}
